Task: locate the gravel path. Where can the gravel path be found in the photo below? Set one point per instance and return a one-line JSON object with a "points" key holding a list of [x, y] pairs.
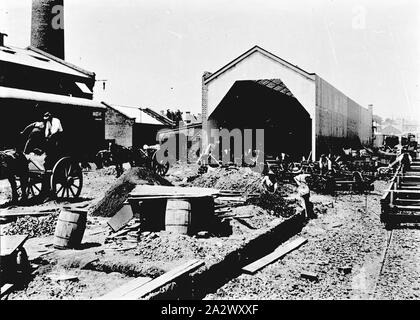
{"points": [[345, 248], [400, 278]]}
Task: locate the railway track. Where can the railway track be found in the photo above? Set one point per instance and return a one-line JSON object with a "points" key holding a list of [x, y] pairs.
{"points": [[390, 233]]}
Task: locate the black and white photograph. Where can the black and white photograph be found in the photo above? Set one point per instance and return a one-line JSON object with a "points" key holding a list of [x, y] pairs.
{"points": [[209, 154]]}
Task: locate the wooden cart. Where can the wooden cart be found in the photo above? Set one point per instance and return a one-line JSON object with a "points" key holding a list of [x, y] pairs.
{"points": [[64, 181], [401, 201]]}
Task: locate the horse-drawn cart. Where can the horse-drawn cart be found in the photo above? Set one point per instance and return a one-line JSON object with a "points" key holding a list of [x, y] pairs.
{"points": [[147, 157], [63, 181]]}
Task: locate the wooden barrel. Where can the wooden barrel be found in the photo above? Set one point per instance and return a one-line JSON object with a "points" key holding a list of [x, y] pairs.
{"points": [[178, 216], [70, 228]]}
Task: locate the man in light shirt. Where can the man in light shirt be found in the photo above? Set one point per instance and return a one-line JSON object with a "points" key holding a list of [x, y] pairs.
{"points": [[53, 130], [52, 126]]}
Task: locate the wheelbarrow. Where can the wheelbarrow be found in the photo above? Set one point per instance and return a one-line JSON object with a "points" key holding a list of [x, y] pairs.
{"points": [[14, 262]]}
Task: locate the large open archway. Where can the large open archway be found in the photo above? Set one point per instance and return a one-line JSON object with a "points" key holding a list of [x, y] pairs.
{"points": [[266, 104]]}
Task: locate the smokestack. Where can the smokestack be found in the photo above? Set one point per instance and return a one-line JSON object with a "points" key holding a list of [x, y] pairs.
{"points": [[47, 29]]}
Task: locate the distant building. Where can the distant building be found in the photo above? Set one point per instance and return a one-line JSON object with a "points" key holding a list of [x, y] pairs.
{"points": [[32, 82], [300, 112], [132, 126], [390, 130], [37, 79]]}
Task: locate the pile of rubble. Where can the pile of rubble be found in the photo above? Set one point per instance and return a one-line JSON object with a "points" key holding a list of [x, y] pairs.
{"points": [[34, 227], [243, 180]]}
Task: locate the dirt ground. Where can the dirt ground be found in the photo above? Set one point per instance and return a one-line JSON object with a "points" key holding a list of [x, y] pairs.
{"points": [[345, 248], [131, 255]]}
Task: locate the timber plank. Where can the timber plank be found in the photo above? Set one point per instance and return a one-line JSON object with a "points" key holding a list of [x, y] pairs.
{"points": [[119, 292], [162, 280], [6, 288], [121, 218], [275, 255], [402, 191], [164, 191], [408, 208]]}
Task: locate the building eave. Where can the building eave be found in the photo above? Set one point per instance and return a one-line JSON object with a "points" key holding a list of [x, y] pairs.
{"points": [[164, 120], [116, 110], [61, 61]]}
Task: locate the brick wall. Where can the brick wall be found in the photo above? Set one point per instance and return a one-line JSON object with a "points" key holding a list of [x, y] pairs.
{"points": [[118, 127]]}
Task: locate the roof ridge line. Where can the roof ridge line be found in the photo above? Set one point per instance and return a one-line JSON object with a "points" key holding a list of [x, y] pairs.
{"points": [[158, 116], [113, 108], [61, 61], [247, 53]]}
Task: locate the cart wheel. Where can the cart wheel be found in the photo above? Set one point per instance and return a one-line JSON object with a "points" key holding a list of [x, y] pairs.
{"points": [[66, 179], [161, 168], [34, 187]]}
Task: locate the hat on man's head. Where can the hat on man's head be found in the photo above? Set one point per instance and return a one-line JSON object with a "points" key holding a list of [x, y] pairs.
{"points": [[47, 115]]}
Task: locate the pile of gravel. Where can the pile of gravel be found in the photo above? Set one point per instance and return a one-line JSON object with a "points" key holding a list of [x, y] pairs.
{"points": [[34, 227], [239, 179]]}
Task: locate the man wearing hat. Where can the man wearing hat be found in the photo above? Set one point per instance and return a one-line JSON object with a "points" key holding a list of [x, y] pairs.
{"points": [[53, 130]]}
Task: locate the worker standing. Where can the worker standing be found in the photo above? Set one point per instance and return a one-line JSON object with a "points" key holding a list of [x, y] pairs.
{"points": [[405, 161], [53, 135], [325, 164], [304, 193]]}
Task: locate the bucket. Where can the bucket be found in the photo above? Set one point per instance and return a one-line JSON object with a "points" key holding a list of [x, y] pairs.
{"points": [[69, 229], [178, 216]]}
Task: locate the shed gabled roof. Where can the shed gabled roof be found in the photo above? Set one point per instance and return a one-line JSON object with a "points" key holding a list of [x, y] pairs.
{"points": [[390, 130], [159, 117], [116, 109], [251, 51], [61, 61], [36, 58], [134, 113]]}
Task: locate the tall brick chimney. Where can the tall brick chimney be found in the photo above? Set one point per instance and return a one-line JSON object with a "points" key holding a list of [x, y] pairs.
{"points": [[47, 28]]}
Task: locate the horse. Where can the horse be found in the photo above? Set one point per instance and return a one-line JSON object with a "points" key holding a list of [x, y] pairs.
{"points": [[14, 164], [120, 155]]}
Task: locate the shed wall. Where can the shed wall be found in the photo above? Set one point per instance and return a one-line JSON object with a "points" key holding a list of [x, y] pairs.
{"points": [[340, 121]]}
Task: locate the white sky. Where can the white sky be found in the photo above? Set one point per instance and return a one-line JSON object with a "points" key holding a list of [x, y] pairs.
{"points": [[153, 53]]}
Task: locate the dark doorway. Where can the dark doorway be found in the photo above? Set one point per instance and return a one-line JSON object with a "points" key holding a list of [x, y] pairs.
{"points": [[254, 105]]}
